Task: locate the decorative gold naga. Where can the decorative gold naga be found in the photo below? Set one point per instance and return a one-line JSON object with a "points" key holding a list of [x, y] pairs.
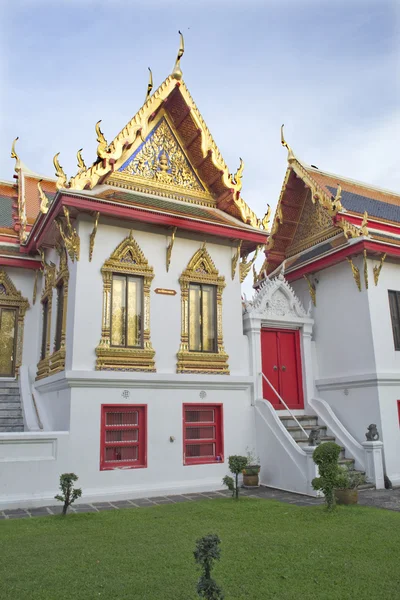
{"points": [[102, 148], [377, 269], [44, 201], [312, 289], [169, 248], [177, 72], [70, 237], [236, 179], [93, 235], [81, 162], [235, 259], [244, 267], [356, 273], [149, 85], [61, 176], [264, 222]]}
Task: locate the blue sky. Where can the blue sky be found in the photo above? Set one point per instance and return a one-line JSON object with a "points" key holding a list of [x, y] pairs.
{"points": [[328, 69]]}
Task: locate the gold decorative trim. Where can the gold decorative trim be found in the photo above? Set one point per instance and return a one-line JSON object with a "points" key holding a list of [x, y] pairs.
{"points": [[364, 228], [244, 267], [365, 270], [149, 85], [93, 235], [169, 248], [312, 289], [165, 291], [377, 269], [177, 72], [128, 259], [201, 269], [356, 273], [44, 201], [23, 234], [70, 237], [35, 287], [235, 259], [61, 176], [47, 295], [12, 298], [349, 230], [57, 359]]}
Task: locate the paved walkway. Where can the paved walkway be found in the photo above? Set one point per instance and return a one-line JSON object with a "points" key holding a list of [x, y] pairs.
{"points": [[388, 499]]}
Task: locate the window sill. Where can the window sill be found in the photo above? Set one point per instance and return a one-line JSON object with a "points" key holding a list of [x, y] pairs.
{"points": [[125, 359], [202, 362], [117, 467], [203, 462]]}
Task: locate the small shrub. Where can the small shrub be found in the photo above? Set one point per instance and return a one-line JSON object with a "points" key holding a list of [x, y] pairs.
{"points": [[69, 494], [349, 480], [236, 466], [326, 457], [207, 551]]}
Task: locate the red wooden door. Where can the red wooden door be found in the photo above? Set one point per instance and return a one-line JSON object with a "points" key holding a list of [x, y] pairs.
{"points": [[281, 364]]}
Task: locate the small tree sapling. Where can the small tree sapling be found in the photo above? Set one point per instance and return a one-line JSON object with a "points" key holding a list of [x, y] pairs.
{"points": [[69, 494], [236, 466]]}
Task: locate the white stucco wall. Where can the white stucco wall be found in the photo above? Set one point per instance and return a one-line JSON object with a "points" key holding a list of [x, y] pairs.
{"points": [[165, 311], [165, 473]]}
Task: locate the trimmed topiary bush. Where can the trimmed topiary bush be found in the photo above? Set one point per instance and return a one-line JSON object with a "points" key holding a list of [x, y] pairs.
{"points": [[236, 465], [326, 457], [69, 494], [207, 551]]}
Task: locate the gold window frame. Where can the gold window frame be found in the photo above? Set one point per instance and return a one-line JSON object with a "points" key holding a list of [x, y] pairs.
{"points": [[201, 269], [14, 299], [57, 359], [43, 365], [127, 259]]}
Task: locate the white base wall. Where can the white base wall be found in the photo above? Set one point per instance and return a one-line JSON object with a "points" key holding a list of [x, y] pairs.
{"points": [[31, 463]]}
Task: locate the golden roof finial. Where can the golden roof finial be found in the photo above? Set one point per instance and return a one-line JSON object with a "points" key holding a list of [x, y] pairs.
{"points": [[177, 73], [103, 146], [62, 178], [264, 222], [44, 204], [15, 155], [149, 85], [81, 162], [290, 156]]}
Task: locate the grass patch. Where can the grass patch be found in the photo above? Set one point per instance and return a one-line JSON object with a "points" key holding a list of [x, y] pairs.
{"points": [[269, 550]]}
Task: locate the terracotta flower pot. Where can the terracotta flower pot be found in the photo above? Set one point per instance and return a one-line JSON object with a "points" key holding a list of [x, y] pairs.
{"points": [[346, 496]]}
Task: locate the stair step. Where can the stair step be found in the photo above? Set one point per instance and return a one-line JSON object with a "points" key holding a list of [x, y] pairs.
{"points": [[4, 392], [14, 413], [7, 421], [288, 421], [298, 434], [11, 428], [9, 406], [8, 383]]}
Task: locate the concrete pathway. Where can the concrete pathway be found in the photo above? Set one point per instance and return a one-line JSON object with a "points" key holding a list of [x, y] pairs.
{"points": [[388, 499]]}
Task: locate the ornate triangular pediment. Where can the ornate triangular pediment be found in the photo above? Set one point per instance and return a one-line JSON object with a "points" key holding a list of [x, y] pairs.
{"points": [[315, 225], [161, 160]]}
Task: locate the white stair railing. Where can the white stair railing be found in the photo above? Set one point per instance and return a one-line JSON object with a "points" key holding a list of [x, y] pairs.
{"points": [[285, 405]]}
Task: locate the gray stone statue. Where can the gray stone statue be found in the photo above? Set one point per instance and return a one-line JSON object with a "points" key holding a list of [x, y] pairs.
{"points": [[314, 438], [372, 434]]}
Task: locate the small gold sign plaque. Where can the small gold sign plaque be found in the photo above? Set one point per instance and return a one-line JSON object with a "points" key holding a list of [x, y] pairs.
{"points": [[165, 292]]}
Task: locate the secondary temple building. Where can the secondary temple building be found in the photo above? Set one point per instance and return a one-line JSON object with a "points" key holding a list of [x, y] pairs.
{"points": [[127, 354]]}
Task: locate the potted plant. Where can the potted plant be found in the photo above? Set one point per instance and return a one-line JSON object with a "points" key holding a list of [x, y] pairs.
{"points": [[348, 482], [251, 471]]}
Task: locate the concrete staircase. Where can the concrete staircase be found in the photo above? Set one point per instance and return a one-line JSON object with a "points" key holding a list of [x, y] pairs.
{"points": [[309, 422], [11, 419]]}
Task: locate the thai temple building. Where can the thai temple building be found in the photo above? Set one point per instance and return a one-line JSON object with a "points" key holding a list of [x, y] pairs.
{"points": [[128, 354]]}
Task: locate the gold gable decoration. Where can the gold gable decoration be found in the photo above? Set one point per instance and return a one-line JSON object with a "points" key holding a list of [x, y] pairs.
{"points": [[127, 259], [10, 297], [201, 269], [315, 225], [57, 359], [49, 269], [161, 161]]}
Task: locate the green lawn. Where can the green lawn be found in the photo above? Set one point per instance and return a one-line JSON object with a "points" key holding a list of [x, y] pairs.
{"points": [[269, 550]]}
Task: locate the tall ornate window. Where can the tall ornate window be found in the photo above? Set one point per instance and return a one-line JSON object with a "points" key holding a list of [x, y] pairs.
{"points": [[125, 336], [201, 349], [12, 312], [57, 359]]}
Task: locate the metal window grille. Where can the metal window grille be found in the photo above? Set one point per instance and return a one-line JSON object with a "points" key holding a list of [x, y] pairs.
{"points": [[123, 437], [203, 436]]}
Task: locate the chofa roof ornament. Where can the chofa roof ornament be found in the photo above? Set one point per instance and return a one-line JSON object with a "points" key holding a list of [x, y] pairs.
{"points": [[177, 72], [284, 143]]}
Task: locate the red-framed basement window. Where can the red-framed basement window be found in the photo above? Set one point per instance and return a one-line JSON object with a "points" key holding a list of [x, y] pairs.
{"points": [[203, 440], [123, 436]]}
